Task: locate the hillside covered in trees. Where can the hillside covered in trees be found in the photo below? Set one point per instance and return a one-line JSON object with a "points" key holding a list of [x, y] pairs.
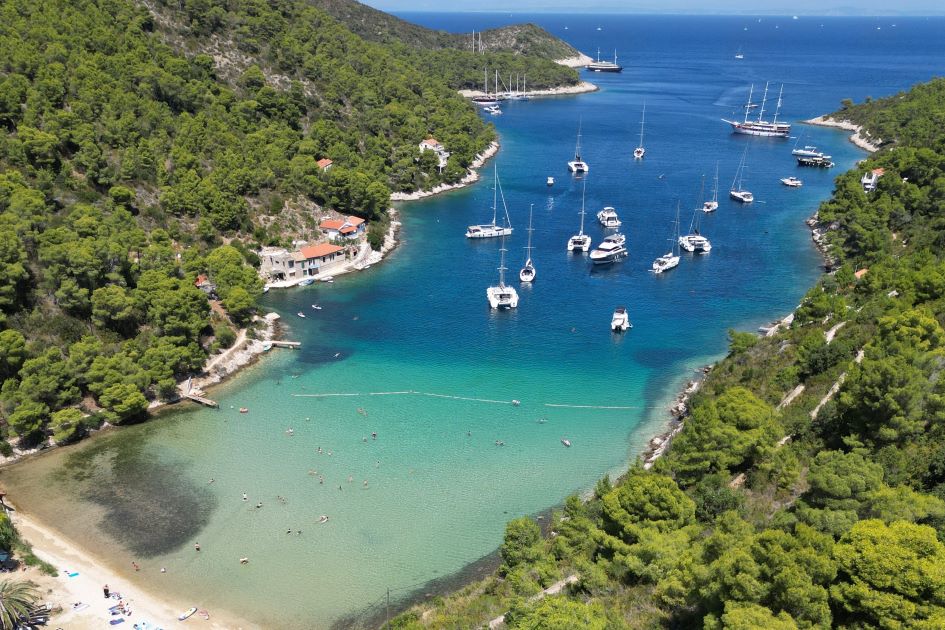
{"points": [[144, 145], [807, 488]]}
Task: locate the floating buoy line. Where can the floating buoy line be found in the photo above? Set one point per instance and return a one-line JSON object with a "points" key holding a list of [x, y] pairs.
{"points": [[491, 401]]}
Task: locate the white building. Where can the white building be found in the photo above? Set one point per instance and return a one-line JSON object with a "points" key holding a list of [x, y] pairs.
{"points": [[431, 144]]}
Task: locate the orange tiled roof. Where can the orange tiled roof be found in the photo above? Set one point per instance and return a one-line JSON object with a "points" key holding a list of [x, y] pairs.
{"points": [[317, 251], [323, 163], [331, 224]]}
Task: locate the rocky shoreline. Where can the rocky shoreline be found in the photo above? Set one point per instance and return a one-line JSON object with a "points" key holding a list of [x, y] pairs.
{"points": [[581, 88], [859, 137], [472, 176], [679, 411]]}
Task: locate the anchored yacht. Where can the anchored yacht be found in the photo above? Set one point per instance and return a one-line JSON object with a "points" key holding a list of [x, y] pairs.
{"points": [[610, 250]]}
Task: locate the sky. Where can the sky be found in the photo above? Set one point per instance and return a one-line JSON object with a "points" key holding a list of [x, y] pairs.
{"points": [[755, 7]]}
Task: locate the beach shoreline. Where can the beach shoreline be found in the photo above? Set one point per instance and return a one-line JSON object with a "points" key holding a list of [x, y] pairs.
{"points": [[471, 177], [582, 87], [82, 576], [858, 137]]}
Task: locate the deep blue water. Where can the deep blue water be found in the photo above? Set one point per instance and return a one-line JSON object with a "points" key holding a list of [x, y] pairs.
{"points": [[438, 497]]}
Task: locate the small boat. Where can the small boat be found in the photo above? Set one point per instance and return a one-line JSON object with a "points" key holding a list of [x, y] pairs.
{"points": [[670, 259], [566, 442], [610, 250], [328, 279], [792, 181], [493, 109], [639, 152], [713, 204], [306, 281], [316, 307], [809, 151], [491, 230], [620, 322], [527, 274], [550, 181], [266, 289], [739, 54], [577, 165], [301, 314], [244, 409], [608, 218], [501, 296], [186, 614], [737, 192], [267, 346], [580, 241]]}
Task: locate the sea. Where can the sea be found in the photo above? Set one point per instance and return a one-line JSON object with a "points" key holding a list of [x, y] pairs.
{"points": [[410, 351]]}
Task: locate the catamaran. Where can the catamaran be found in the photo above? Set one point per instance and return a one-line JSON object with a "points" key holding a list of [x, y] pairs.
{"points": [[761, 127], [577, 165], [737, 192], [713, 204], [670, 259], [604, 66], [639, 152], [580, 241], [501, 296], [527, 274], [490, 230], [694, 241]]}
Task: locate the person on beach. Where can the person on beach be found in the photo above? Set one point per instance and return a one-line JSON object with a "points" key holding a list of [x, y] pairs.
{"points": [[106, 591], [135, 565], [196, 546]]}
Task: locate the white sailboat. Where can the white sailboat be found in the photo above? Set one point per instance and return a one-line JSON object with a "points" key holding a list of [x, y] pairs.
{"points": [[739, 54], [761, 127], [527, 274], [577, 165], [485, 100], [670, 259], [713, 204], [639, 152], [491, 230], [580, 241], [501, 296], [737, 192]]}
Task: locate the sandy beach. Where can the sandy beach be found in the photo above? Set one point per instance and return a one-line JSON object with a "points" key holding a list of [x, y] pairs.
{"points": [[77, 590], [857, 137]]}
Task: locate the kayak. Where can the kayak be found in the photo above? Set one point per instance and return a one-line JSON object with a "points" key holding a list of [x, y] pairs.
{"points": [[186, 614]]}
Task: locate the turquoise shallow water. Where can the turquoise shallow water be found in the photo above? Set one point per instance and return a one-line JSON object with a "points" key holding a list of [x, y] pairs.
{"points": [[439, 489]]}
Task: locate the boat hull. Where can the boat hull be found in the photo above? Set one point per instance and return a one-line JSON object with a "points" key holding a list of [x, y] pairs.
{"points": [[502, 297], [608, 258], [741, 196], [770, 130], [491, 232], [578, 167]]}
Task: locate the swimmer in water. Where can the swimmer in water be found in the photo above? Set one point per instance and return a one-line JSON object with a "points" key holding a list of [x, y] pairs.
{"points": [[245, 498], [259, 505]]}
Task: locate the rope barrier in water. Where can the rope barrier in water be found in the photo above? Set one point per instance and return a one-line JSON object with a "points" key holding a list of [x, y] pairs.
{"points": [[491, 401]]}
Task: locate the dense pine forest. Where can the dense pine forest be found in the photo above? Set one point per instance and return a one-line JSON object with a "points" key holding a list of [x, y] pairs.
{"points": [[807, 487], [145, 143]]}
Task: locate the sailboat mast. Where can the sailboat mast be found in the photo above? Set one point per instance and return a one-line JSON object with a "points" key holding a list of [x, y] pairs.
{"points": [[583, 190], [642, 120], [777, 110], [577, 147], [502, 251], [528, 249], [715, 185], [495, 192], [764, 99], [751, 91]]}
